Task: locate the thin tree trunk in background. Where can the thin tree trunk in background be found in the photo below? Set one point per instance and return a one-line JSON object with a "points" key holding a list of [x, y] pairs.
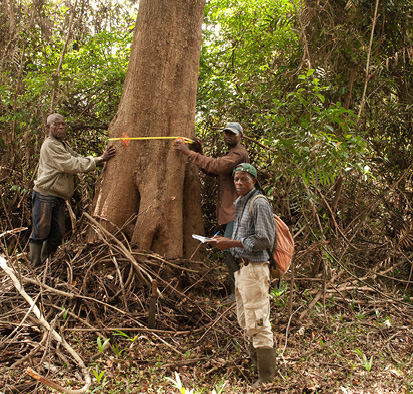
{"points": [[57, 74], [148, 178], [363, 99]]}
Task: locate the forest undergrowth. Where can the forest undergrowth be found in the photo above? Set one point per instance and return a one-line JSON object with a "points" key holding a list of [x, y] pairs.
{"points": [[323, 93], [337, 332]]}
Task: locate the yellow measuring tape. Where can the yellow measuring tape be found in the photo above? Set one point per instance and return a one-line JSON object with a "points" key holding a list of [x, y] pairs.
{"points": [[183, 139]]}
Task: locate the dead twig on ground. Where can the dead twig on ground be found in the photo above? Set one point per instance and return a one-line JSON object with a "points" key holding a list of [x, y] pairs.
{"points": [[53, 333]]}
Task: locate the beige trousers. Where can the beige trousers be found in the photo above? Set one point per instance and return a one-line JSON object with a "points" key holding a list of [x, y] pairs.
{"points": [[252, 284]]}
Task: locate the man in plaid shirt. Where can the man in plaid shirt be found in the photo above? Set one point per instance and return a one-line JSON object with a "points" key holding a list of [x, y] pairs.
{"points": [[252, 237]]}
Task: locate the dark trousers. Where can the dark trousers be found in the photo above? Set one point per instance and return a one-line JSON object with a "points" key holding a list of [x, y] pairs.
{"points": [[48, 219]]}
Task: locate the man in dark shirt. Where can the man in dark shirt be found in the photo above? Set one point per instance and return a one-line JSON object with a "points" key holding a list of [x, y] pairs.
{"points": [[222, 167]]}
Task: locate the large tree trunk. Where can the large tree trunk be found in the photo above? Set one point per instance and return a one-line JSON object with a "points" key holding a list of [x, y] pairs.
{"points": [[149, 181]]}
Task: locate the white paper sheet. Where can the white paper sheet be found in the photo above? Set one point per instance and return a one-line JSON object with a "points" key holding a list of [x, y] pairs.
{"points": [[201, 238]]}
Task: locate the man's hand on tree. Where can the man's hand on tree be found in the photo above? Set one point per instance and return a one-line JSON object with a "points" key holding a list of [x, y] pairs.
{"points": [[181, 147], [110, 151]]}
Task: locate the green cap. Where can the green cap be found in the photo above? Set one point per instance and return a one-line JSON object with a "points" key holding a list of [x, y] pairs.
{"points": [[245, 167], [248, 168]]}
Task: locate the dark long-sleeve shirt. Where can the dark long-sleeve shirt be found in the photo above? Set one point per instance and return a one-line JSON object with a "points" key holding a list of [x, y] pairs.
{"points": [[223, 166]]}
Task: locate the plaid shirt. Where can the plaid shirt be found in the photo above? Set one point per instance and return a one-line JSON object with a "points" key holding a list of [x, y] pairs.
{"points": [[255, 231]]}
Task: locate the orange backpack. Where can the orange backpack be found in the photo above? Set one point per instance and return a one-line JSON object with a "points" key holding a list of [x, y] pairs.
{"points": [[283, 249]]}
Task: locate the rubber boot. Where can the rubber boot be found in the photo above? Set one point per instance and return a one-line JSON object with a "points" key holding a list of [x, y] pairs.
{"points": [[232, 268], [266, 365], [47, 250], [35, 254], [253, 356]]}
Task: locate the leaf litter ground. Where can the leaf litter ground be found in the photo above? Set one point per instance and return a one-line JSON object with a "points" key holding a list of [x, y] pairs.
{"points": [[340, 338]]}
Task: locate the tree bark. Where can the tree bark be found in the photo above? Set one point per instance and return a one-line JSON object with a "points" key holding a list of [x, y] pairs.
{"points": [[148, 181]]}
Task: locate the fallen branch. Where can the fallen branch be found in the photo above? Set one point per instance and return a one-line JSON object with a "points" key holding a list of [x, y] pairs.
{"points": [[53, 385], [55, 335], [70, 295], [14, 231], [122, 248]]}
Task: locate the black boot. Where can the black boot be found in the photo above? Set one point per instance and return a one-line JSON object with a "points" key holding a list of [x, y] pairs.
{"points": [[266, 365], [47, 250], [35, 253]]}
